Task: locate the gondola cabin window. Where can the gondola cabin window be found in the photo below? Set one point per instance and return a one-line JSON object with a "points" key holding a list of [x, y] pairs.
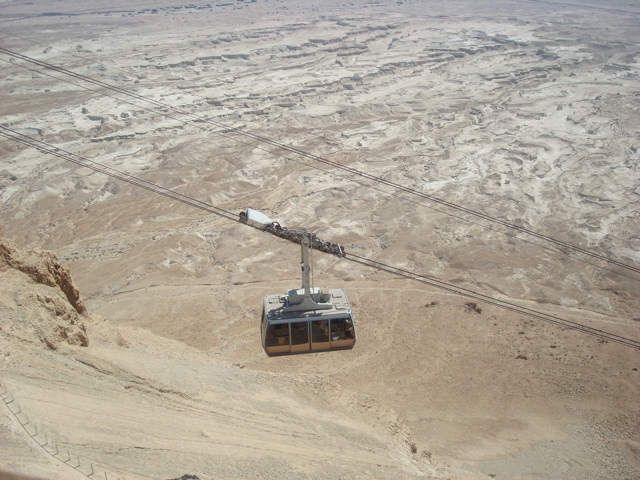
{"points": [[314, 335], [299, 336], [341, 329], [277, 335], [320, 331]]}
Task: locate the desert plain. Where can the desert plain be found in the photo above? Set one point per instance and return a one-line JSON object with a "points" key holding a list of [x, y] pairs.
{"points": [[149, 364]]}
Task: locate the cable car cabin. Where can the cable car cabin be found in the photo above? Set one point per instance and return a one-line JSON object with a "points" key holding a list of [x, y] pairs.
{"points": [[307, 319], [286, 331]]}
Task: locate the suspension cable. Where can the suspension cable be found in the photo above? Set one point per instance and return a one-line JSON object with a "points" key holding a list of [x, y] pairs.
{"points": [[115, 173], [153, 187], [377, 180], [492, 301]]}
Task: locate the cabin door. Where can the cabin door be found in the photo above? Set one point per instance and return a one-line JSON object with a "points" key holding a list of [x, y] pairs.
{"points": [[300, 337], [320, 335]]}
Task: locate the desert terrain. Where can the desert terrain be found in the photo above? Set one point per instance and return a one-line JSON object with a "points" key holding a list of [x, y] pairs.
{"points": [[129, 322]]}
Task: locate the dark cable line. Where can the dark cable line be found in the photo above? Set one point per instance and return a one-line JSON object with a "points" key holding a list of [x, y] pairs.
{"points": [[368, 153], [492, 301], [337, 175], [88, 59], [279, 145], [128, 72], [159, 110], [344, 177], [3, 32], [85, 162], [373, 187], [335, 164], [113, 172]]}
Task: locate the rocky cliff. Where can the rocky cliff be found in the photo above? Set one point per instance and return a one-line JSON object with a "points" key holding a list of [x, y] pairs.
{"points": [[38, 298]]}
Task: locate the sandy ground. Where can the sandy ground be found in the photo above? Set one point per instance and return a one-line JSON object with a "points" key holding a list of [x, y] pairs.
{"points": [[524, 110]]}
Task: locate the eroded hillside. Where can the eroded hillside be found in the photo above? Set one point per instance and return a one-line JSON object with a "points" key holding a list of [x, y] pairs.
{"points": [[123, 401]]}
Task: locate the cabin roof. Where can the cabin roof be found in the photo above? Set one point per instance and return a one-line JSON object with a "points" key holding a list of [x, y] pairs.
{"points": [[273, 307]]}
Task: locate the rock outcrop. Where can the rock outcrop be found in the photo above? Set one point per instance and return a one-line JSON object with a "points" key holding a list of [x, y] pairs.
{"points": [[42, 267], [38, 299]]}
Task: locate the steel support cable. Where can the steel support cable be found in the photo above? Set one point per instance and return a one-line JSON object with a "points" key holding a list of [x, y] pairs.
{"points": [[78, 159], [488, 227], [492, 301], [323, 160], [160, 110], [484, 226], [367, 185], [89, 59], [279, 145], [552, 250], [113, 172], [368, 153], [373, 187], [491, 228]]}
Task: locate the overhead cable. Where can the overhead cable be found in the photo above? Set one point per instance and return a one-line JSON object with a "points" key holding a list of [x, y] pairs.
{"points": [[377, 180], [137, 181]]}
